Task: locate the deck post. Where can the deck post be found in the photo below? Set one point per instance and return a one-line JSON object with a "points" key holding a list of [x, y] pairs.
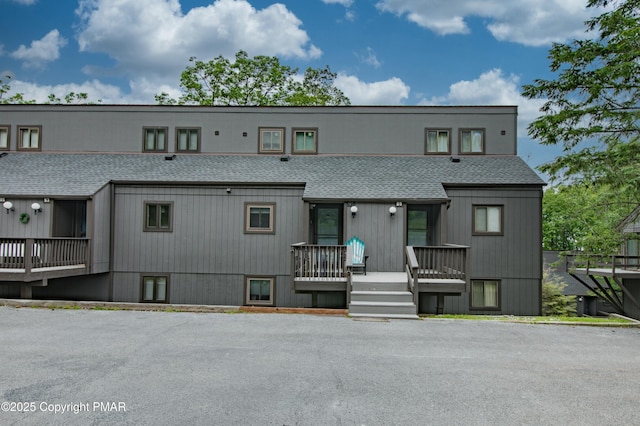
{"points": [[440, 304], [26, 291], [27, 252]]}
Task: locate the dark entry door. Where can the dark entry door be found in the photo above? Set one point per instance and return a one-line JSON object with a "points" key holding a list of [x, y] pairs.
{"points": [[421, 224], [326, 224], [70, 218]]}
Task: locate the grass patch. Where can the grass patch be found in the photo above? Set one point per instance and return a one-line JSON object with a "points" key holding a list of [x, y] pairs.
{"points": [[538, 319]]}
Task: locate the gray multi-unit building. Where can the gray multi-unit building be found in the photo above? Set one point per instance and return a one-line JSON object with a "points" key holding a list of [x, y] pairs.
{"points": [[254, 205]]}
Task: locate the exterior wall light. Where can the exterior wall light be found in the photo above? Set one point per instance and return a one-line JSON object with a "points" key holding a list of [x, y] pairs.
{"points": [[8, 205], [354, 210], [36, 208], [392, 210]]}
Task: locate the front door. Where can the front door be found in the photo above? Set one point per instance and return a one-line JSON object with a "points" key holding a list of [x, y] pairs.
{"points": [[421, 224], [326, 224]]}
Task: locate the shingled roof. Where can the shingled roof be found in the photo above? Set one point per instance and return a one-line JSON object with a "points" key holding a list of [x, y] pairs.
{"points": [[324, 177]]}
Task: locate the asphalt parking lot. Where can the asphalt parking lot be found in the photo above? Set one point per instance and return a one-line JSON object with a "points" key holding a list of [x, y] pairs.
{"points": [[67, 367]]}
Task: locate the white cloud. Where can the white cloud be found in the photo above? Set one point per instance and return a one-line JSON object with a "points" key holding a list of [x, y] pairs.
{"points": [[41, 51], [369, 57], [95, 90], [531, 23], [492, 88], [388, 92], [345, 3], [156, 38]]}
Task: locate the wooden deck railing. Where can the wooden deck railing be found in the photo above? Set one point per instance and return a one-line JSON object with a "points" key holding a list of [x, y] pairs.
{"points": [[441, 262], [33, 253], [610, 264], [318, 261]]}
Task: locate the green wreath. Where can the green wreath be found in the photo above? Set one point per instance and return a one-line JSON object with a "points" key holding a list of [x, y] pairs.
{"points": [[24, 218]]}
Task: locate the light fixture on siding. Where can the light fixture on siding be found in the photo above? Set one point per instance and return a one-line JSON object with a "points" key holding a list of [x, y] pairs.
{"points": [[354, 210], [8, 205], [392, 210], [36, 208]]}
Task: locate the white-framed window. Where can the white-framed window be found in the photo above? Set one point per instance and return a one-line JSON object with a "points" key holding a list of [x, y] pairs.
{"points": [[30, 138], [155, 288], [438, 141], [305, 141], [188, 139], [488, 220], [485, 294], [4, 138], [259, 290], [260, 218], [472, 141], [157, 216], [271, 140], [154, 139]]}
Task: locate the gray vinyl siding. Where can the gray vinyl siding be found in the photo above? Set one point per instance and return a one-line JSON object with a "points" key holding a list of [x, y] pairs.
{"points": [[38, 226], [85, 287], [515, 258], [632, 228], [99, 216], [217, 289], [633, 285], [349, 130], [208, 252], [381, 233]]}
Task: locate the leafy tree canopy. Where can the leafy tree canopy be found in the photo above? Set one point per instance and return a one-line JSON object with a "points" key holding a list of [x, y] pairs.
{"points": [[592, 108], [261, 80], [583, 217]]}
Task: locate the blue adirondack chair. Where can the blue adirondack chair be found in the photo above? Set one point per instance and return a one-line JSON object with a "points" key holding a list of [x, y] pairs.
{"points": [[356, 259]]}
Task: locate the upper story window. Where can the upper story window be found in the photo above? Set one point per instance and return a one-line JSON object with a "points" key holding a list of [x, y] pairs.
{"points": [[157, 216], [438, 141], [4, 138], [154, 139], [472, 141], [29, 138], [487, 220], [259, 218], [188, 139], [271, 140], [305, 141]]}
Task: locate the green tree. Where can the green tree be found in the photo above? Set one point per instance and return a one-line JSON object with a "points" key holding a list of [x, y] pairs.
{"points": [[592, 108], [583, 217], [261, 80], [554, 302]]}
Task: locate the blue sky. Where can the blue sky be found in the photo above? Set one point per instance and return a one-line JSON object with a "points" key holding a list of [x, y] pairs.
{"points": [[386, 52]]}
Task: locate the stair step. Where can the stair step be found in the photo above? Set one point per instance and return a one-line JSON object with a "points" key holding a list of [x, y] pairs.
{"points": [[382, 309], [382, 296], [379, 286], [383, 304], [391, 316]]}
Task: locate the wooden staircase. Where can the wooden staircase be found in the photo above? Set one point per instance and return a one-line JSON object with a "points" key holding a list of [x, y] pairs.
{"points": [[382, 295]]}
